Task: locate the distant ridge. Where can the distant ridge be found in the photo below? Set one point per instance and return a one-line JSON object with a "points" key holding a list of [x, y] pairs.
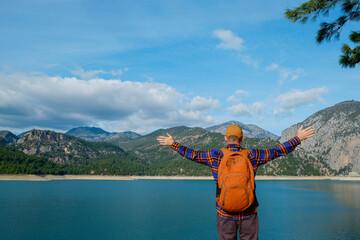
{"points": [[249, 130], [93, 134], [96, 134], [7, 138]]}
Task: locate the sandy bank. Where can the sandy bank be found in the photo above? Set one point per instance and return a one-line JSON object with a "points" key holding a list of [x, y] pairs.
{"points": [[336, 178], [30, 177]]}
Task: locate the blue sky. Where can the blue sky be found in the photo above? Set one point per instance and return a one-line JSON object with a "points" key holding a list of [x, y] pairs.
{"points": [[144, 65]]}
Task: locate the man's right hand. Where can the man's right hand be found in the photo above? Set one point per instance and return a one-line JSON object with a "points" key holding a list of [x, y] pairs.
{"points": [[166, 141]]}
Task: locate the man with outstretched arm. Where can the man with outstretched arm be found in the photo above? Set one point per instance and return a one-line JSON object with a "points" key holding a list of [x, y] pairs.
{"points": [[244, 222]]}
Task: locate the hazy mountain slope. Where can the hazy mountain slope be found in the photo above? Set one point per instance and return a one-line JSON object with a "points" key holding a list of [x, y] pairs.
{"points": [[249, 130], [95, 134], [122, 136]]}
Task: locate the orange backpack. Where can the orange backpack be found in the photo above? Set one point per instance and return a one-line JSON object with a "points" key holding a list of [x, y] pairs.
{"points": [[236, 182]]}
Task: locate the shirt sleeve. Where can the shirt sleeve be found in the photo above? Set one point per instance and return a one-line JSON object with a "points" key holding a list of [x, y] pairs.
{"points": [[202, 157], [262, 156]]}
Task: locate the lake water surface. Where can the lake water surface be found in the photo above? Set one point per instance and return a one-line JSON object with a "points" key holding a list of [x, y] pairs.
{"points": [[172, 209]]}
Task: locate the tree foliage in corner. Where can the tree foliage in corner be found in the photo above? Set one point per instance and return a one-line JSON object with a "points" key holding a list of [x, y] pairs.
{"points": [[350, 13]]}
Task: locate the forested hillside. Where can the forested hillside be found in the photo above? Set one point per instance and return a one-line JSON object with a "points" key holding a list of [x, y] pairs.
{"points": [[140, 156]]}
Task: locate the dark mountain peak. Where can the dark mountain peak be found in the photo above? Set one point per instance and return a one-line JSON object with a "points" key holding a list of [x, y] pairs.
{"points": [[93, 134], [5, 133], [86, 130], [7, 138], [96, 134]]}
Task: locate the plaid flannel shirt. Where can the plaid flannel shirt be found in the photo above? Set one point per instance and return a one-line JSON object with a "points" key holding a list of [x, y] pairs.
{"points": [[257, 157]]}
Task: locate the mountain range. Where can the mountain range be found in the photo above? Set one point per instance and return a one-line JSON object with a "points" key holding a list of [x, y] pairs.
{"points": [[95, 134], [334, 150]]}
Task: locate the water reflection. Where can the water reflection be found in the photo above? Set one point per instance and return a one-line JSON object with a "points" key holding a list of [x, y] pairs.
{"points": [[347, 193]]}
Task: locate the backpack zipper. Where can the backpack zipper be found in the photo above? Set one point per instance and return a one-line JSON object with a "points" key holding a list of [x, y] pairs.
{"points": [[247, 197], [222, 184]]}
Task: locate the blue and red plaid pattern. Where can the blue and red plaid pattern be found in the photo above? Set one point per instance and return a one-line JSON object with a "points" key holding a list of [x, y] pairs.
{"points": [[257, 157]]}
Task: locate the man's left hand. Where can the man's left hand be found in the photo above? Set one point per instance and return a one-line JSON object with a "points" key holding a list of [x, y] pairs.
{"points": [[166, 141]]}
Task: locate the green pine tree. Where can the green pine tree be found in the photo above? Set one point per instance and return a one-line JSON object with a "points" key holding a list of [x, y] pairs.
{"points": [[350, 13]]}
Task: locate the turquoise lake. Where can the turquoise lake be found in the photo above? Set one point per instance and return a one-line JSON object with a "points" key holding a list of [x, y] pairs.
{"points": [[172, 209]]}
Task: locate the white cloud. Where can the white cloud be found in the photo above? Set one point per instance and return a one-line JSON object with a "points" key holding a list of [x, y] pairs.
{"points": [[39, 100], [295, 98], [240, 109], [202, 104], [286, 74], [228, 39], [80, 72], [261, 119], [282, 112], [150, 79], [86, 74], [50, 65], [237, 97], [241, 92], [272, 67], [259, 107], [250, 61], [117, 72]]}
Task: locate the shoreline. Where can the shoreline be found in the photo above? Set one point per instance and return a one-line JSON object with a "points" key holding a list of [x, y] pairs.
{"points": [[32, 177]]}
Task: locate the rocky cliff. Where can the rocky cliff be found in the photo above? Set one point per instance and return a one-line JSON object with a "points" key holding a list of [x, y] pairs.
{"points": [[337, 138], [61, 148]]}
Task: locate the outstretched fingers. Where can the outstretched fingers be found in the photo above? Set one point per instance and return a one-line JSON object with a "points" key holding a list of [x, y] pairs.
{"points": [[166, 141], [305, 133], [310, 134], [162, 140], [301, 128]]}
